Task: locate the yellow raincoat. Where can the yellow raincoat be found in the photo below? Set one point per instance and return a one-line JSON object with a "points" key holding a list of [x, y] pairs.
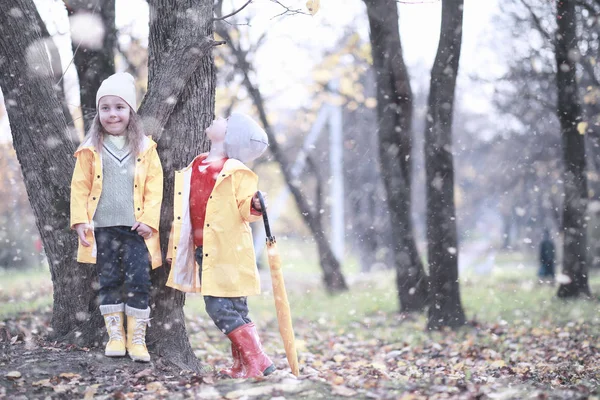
{"points": [[86, 187], [229, 265]]}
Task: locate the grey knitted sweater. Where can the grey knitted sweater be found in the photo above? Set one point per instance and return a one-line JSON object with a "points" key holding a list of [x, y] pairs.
{"points": [[115, 207]]}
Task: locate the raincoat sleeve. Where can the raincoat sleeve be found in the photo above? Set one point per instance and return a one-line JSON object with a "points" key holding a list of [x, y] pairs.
{"points": [[246, 187], [153, 193], [81, 186]]}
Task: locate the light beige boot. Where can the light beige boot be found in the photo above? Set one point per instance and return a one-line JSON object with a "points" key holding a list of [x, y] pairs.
{"points": [[113, 319], [137, 320]]}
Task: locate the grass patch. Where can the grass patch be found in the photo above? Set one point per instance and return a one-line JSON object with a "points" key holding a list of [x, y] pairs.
{"points": [[16, 280], [509, 294], [24, 290]]}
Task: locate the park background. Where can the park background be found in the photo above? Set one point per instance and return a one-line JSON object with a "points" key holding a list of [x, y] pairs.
{"points": [[346, 276]]}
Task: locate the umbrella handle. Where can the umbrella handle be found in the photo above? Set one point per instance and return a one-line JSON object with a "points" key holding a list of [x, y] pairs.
{"points": [[270, 238]]}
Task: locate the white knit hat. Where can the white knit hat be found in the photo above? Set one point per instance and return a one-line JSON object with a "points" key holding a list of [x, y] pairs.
{"points": [[245, 140], [120, 84]]}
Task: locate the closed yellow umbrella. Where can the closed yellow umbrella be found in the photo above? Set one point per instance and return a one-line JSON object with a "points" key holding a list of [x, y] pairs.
{"points": [[282, 305]]}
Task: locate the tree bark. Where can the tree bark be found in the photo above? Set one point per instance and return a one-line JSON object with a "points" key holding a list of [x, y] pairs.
{"points": [[57, 72], [574, 176], [45, 152], [395, 111], [33, 110], [176, 25], [442, 246], [93, 64], [333, 277]]}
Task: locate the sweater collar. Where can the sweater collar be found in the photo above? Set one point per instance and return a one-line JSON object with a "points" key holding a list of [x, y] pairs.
{"points": [[147, 145]]}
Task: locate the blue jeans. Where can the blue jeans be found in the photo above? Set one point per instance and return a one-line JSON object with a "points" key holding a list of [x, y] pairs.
{"points": [[123, 267], [228, 313]]}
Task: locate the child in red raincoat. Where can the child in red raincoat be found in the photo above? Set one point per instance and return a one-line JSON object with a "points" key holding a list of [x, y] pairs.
{"points": [[211, 247]]}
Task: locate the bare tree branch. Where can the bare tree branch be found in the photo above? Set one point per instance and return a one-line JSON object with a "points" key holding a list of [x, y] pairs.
{"points": [[218, 7], [233, 13], [313, 170], [589, 68], [590, 8], [332, 275], [162, 97], [288, 10], [538, 22]]}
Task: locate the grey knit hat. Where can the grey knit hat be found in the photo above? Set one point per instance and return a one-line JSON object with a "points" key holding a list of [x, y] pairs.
{"points": [[245, 140]]}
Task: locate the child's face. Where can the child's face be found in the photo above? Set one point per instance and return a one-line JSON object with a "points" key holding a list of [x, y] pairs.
{"points": [[216, 131], [114, 115]]}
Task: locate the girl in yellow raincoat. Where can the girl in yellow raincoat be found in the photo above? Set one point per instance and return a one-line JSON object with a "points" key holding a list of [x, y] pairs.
{"points": [[116, 194], [211, 248]]}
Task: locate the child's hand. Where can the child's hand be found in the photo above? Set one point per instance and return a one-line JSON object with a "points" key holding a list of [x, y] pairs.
{"points": [[142, 229], [82, 230], [256, 202]]}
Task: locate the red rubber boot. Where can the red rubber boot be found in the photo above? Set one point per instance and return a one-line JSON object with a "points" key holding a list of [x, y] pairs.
{"points": [[255, 361]]}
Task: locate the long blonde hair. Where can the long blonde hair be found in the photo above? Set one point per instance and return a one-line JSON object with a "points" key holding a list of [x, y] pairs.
{"points": [[135, 133]]}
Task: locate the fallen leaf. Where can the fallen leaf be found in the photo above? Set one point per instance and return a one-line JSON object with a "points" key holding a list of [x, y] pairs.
{"points": [[154, 387], [90, 392], [144, 373], [13, 375], [338, 358], [255, 391], [343, 391], [43, 382], [61, 389], [69, 375]]}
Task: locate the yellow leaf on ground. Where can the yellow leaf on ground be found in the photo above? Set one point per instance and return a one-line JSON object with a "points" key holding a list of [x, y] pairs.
{"points": [[69, 375], [582, 127], [90, 392], [379, 366], [154, 387], [498, 364], [61, 389], [459, 366], [338, 358]]}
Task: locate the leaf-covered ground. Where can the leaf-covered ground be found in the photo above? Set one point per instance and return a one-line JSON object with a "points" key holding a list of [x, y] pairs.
{"points": [[480, 361], [521, 342]]}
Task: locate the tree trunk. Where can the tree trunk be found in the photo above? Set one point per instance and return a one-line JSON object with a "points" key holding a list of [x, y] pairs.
{"points": [[395, 110], [45, 152], [333, 278], [174, 24], [57, 72], [34, 109], [442, 243], [574, 177], [94, 64]]}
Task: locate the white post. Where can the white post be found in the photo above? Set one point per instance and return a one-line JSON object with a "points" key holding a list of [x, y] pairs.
{"points": [[336, 160], [275, 209]]}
